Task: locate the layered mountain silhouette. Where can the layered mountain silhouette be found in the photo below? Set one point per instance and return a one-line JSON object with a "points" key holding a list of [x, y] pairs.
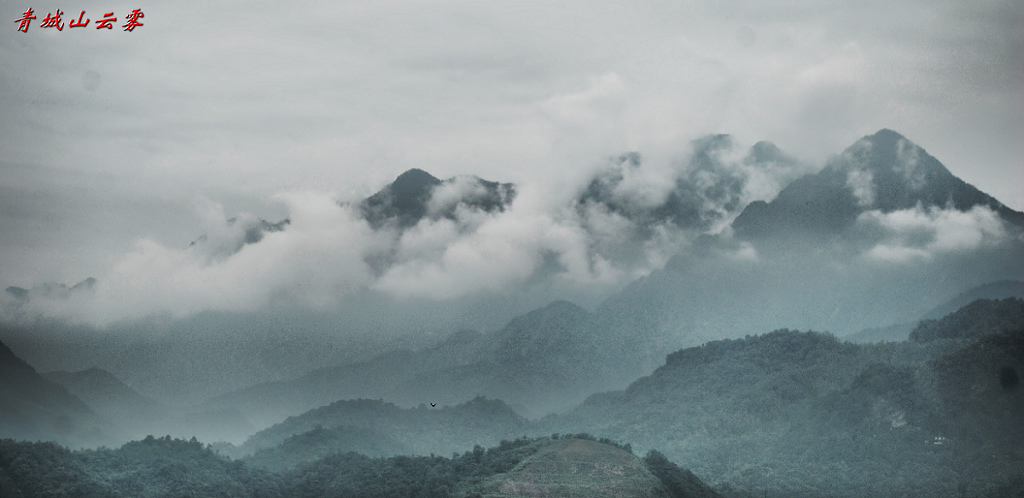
{"points": [[974, 320], [32, 407], [320, 442], [820, 254], [901, 331], [422, 430], [995, 290], [131, 412], [571, 465], [575, 465], [547, 359], [554, 356], [562, 352], [794, 413], [884, 172], [102, 388], [838, 417], [797, 413]]}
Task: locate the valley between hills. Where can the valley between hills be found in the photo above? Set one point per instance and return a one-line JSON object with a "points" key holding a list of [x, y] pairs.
{"points": [[859, 334]]}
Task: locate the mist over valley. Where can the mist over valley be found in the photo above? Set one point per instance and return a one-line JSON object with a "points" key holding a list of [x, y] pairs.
{"points": [[513, 249], [694, 279]]}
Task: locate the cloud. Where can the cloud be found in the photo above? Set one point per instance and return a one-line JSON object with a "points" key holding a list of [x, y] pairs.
{"points": [[495, 252], [542, 245], [346, 96], [223, 236], [447, 196], [318, 257], [584, 238], [588, 107], [436, 261], [909, 156], [921, 234], [702, 191], [861, 183], [588, 237], [529, 92], [625, 221]]}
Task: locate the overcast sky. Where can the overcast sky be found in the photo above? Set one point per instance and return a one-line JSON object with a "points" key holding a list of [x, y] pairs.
{"points": [[111, 137]]}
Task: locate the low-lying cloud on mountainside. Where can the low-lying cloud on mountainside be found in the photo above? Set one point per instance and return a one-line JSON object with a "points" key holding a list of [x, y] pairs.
{"points": [[920, 234], [883, 203], [576, 241]]}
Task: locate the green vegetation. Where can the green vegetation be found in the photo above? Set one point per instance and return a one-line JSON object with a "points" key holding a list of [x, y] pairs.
{"points": [[421, 430], [977, 319], [581, 467], [321, 442], [151, 467], [784, 414], [803, 414], [158, 467], [678, 481]]}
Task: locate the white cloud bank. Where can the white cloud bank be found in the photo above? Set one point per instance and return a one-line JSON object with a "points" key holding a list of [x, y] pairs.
{"points": [[560, 241], [921, 234], [547, 240]]}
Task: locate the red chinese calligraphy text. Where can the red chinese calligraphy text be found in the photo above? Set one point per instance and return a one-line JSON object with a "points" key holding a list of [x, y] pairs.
{"points": [[25, 19], [133, 19], [53, 21], [105, 22], [79, 23]]}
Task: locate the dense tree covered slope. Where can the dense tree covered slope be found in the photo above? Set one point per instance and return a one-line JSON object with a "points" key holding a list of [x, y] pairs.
{"points": [[157, 467]]}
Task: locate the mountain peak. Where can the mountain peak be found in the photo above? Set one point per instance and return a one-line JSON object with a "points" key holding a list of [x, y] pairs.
{"points": [[884, 172], [885, 135], [888, 152], [403, 199], [888, 172], [408, 199], [414, 182]]}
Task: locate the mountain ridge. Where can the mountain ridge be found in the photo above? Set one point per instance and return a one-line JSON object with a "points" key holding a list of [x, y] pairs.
{"points": [[551, 356], [741, 410], [32, 407], [883, 171]]}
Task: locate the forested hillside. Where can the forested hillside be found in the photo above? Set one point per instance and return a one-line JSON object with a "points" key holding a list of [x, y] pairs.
{"points": [[576, 465], [803, 414], [422, 430], [786, 413]]}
